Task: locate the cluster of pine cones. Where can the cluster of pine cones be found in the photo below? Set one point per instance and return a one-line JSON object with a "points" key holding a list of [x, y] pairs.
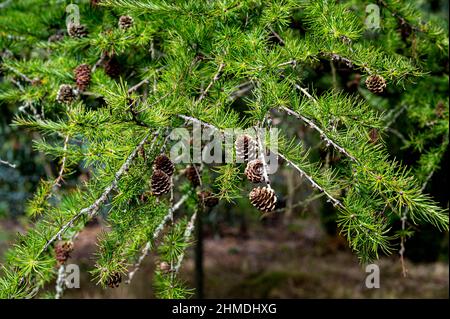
{"points": [[263, 198]]}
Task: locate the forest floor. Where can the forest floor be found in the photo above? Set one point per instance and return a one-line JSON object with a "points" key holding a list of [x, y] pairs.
{"points": [[273, 262]]}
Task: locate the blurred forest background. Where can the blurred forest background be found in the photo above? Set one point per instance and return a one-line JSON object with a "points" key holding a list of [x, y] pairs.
{"points": [[296, 253]]}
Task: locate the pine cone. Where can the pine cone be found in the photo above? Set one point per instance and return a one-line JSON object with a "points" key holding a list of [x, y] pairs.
{"points": [[114, 280], [192, 175], [77, 30], [62, 252], [208, 199], [125, 22], [82, 76], [161, 183], [66, 94], [263, 198], [164, 163], [112, 67], [254, 171], [376, 84], [164, 267], [245, 148]]}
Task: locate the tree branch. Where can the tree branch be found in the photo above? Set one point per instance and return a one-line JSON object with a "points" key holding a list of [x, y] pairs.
{"points": [[156, 233]]}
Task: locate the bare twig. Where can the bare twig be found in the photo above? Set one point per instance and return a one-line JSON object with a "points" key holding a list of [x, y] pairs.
{"points": [[214, 79], [99, 62], [277, 36], [93, 209], [63, 164], [156, 233], [17, 72], [187, 235], [262, 157], [319, 130], [334, 201], [60, 282], [7, 163], [137, 86], [402, 243]]}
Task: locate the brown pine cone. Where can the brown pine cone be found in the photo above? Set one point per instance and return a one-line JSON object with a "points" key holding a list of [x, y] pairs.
{"points": [[164, 163], [161, 183], [254, 171], [66, 94], [208, 199], [77, 31], [125, 22], [55, 37], [114, 280], [62, 252], [82, 76], [245, 148], [376, 84], [112, 67], [192, 174], [263, 198], [374, 136]]}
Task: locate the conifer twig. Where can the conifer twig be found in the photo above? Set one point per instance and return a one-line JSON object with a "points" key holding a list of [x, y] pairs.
{"points": [[93, 209], [262, 157], [319, 130], [402, 243], [334, 201], [187, 235], [156, 233], [63, 164]]}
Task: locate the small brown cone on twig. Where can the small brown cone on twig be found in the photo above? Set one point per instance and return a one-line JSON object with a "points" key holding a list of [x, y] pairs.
{"points": [[114, 280], [125, 22], [112, 67], [208, 199], [374, 136], [263, 198], [246, 148], [161, 183], [192, 174], [82, 76], [376, 84], [164, 163], [62, 252], [77, 31], [254, 171], [66, 94]]}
